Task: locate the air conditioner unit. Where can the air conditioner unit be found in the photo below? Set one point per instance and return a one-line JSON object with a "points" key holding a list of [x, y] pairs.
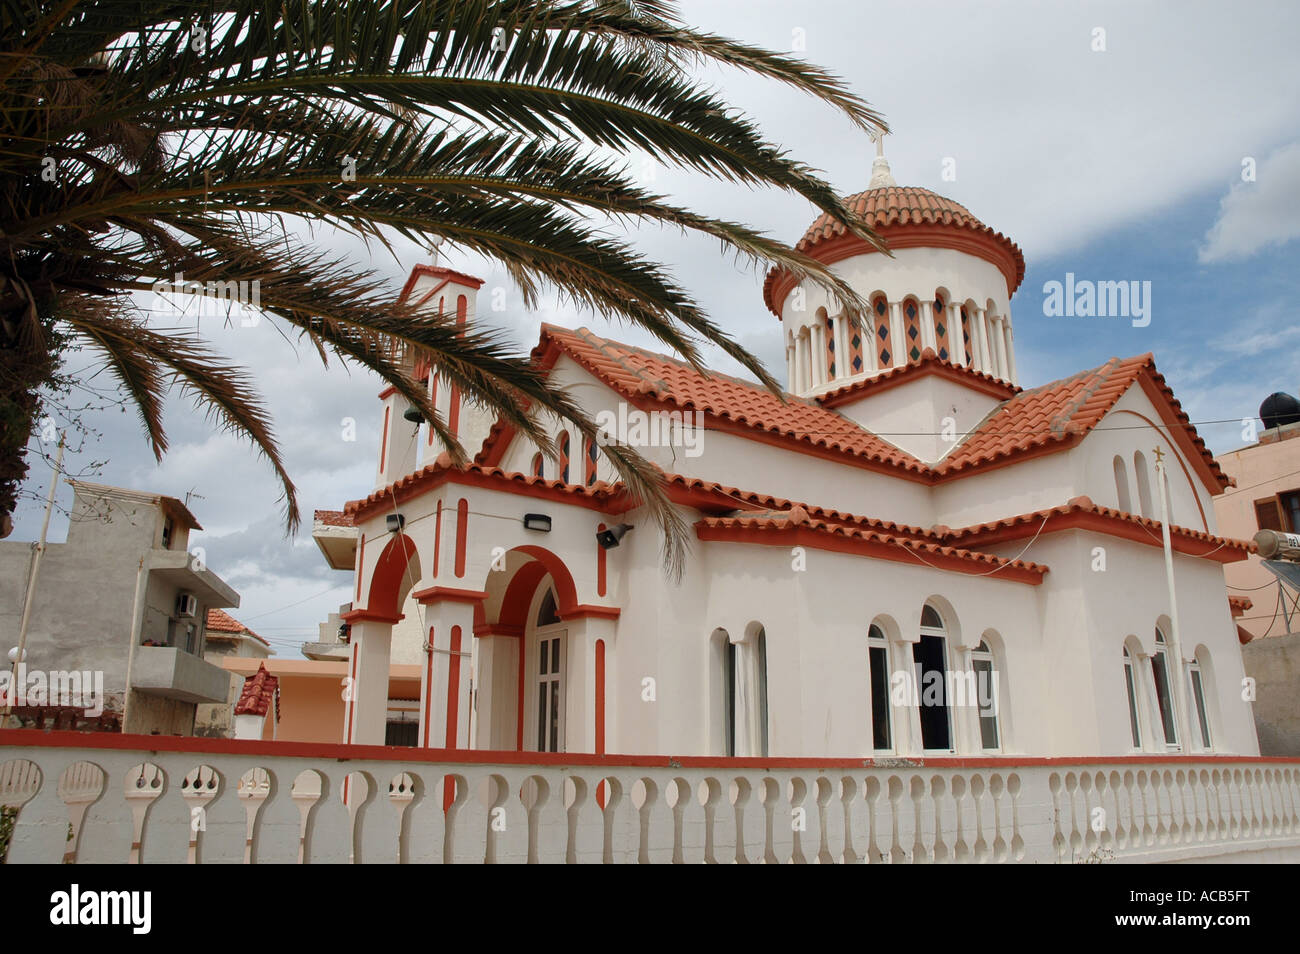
{"points": [[187, 607]]}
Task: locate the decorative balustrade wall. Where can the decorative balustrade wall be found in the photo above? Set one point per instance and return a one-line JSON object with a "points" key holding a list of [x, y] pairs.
{"points": [[97, 798]]}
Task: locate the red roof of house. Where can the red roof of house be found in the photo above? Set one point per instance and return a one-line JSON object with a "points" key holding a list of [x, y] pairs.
{"points": [[219, 621], [896, 213], [334, 518], [260, 690]]}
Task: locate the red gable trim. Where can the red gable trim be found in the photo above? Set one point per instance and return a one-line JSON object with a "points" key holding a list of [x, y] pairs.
{"points": [[437, 594], [437, 271]]}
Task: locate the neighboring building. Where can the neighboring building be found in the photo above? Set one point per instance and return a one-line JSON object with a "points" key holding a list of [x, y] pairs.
{"points": [[227, 636], [1267, 497], [82, 616], [907, 554], [257, 711]]}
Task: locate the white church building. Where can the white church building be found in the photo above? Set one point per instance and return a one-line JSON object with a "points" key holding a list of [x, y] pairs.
{"points": [[908, 554]]}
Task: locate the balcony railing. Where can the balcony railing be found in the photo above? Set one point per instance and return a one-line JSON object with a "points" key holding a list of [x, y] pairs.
{"points": [[154, 799]]}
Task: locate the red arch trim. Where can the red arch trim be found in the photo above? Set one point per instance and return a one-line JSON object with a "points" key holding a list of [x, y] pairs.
{"points": [[390, 572]]}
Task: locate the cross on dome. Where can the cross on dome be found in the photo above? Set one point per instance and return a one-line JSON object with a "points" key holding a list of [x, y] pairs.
{"points": [[880, 174]]}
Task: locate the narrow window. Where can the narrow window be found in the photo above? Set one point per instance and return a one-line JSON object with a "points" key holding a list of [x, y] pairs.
{"points": [[1142, 474], [589, 459], [965, 336], [1130, 684], [855, 348], [912, 329], [1164, 697], [729, 653], [828, 323], [1198, 698], [883, 355], [538, 465], [986, 689], [760, 695], [878, 660], [930, 661], [563, 467], [1121, 485], [941, 345]]}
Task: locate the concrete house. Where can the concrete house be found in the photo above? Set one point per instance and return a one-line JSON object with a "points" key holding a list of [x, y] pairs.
{"points": [[82, 617]]}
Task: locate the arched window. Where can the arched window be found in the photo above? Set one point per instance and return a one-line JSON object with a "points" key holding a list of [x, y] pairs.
{"points": [[589, 461], [547, 614], [1197, 684], [563, 466], [1164, 690], [855, 348], [1121, 485], [878, 663], [930, 656], [828, 332], [539, 463], [941, 345], [1130, 685], [986, 689], [965, 337], [759, 642], [912, 329], [743, 685], [1143, 478], [881, 309]]}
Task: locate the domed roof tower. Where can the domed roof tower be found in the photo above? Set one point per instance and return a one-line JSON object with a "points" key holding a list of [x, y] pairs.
{"points": [[946, 289]]}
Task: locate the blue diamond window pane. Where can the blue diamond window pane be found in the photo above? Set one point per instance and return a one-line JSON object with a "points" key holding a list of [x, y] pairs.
{"points": [[857, 341], [830, 368], [915, 355], [943, 354], [884, 356], [912, 332], [883, 331], [857, 364], [940, 330]]}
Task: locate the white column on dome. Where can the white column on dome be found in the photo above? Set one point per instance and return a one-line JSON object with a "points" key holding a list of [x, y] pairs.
{"points": [[1000, 339], [1011, 352], [956, 339], [895, 333], [789, 367], [928, 337], [805, 372]]}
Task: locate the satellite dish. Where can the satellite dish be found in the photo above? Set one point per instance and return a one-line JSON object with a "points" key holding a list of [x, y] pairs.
{"points": [[1279, 409]]}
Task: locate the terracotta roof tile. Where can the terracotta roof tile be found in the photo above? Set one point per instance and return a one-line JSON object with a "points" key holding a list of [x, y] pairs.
{"points": [[638, 374], [219, 621], [260, 690], [929, 363]]}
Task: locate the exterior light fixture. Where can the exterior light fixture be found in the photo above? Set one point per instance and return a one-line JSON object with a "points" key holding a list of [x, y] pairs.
{"points": [[608, 539], [537, 521], [413, 415], [395, 522]]}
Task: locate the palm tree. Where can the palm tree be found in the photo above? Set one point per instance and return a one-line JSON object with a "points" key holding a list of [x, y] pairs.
{"points": [[148, 138]]}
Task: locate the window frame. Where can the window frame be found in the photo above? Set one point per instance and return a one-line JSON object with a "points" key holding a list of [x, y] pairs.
{"points": [[983, 653], [1162, 653], [879, 644]]}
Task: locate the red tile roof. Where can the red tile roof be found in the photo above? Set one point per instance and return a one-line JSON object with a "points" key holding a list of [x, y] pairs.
{"points": [[1239, 604], [642, 375], [897, 210], [260, 690], [219, 621], [1064, 411]]}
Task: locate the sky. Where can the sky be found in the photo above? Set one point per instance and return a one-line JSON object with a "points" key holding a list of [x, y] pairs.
{"points": [[1153, 142]]}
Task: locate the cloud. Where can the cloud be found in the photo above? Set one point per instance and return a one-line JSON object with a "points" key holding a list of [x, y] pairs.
{"points": [[1257, 215]]}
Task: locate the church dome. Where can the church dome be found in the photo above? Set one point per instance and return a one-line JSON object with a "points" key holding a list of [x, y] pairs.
{"points": [[905, 217]]}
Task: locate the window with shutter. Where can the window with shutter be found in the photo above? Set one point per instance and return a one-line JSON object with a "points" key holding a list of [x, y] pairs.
{"points": [[1267, 514]]}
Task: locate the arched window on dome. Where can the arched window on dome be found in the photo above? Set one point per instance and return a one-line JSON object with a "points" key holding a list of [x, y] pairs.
{"points": [[880, 308], [1125, 503], [941, 338], [856, 365], [827, 324], [912, 339], [967, 343], [539, 464], [562, 469], [589, 457]]}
